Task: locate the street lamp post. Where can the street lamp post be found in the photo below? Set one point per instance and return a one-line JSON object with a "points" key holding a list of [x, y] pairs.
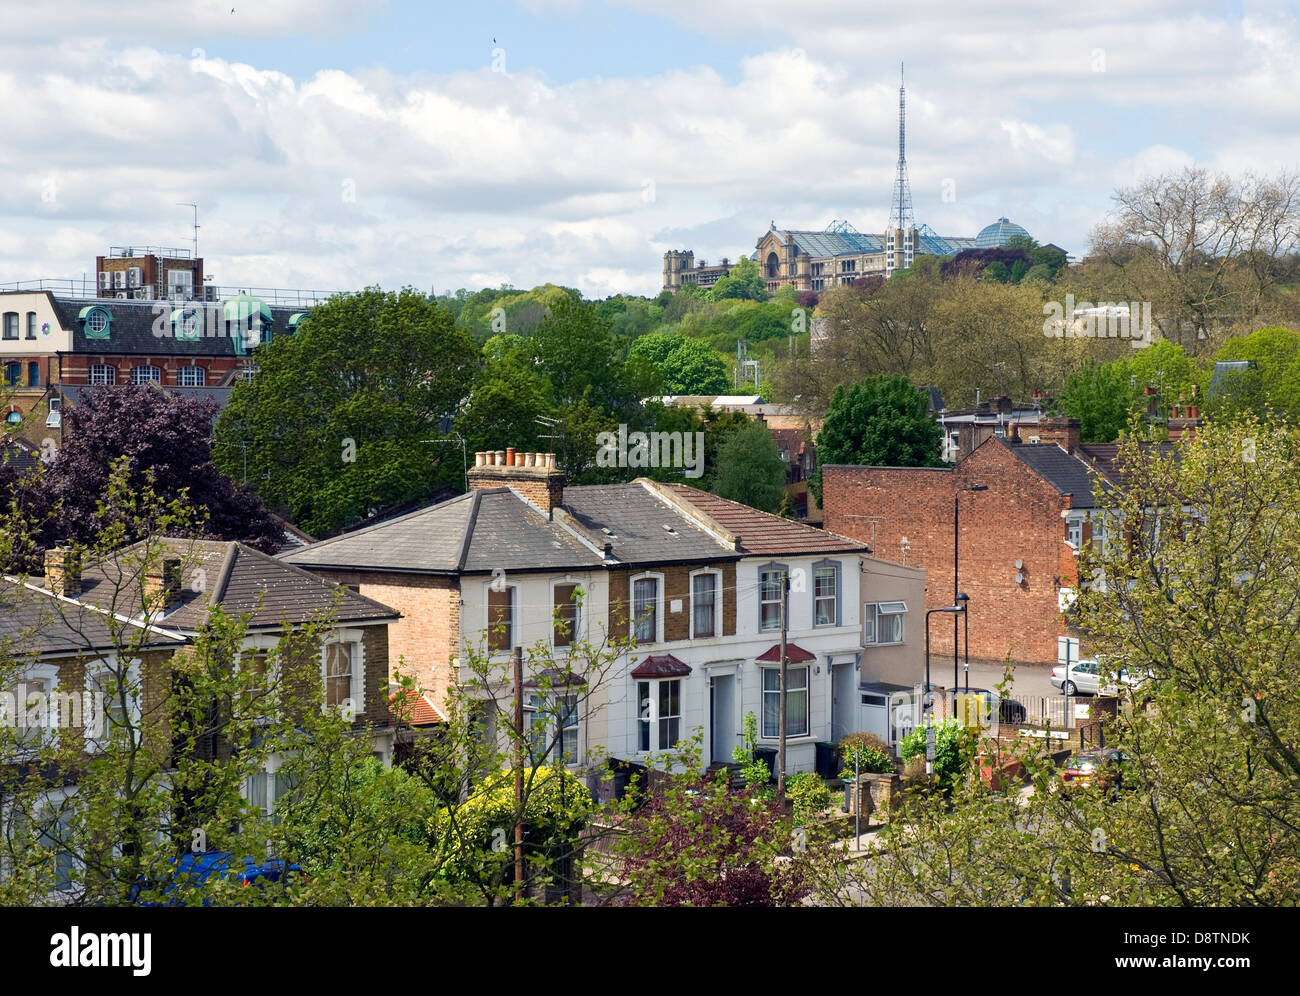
{"points": [[927, 698], [956, 590]]}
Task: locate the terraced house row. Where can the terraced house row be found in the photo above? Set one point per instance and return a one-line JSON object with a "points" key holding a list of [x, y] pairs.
{"points": [[694, 580]]}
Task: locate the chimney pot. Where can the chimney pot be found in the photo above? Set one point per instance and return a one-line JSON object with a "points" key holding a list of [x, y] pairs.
{"points": [[510, 456], [479, 458], [499, 458]]}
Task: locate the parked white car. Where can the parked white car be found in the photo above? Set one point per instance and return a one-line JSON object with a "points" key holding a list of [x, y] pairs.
{"points": [[1086, 677]]}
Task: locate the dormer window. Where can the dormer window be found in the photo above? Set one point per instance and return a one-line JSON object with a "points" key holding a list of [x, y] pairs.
{"points": [[187, 323], [294, 319], [96, 320]]}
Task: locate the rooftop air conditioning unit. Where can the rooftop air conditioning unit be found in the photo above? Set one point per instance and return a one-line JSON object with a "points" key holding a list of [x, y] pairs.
{"points": [[119, 278], [121, 295], [105, 279], [133, 276], [142, 293]]}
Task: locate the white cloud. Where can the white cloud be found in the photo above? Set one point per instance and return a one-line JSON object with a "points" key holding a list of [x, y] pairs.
{"points": [[471, 178]]}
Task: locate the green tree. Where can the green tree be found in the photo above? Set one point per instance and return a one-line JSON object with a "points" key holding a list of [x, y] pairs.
{"points": [[744, 281], [334, 423], [1272, 383], [1102, 398], [1198, 604], [750, 468], [884, 421], [685, 366]]}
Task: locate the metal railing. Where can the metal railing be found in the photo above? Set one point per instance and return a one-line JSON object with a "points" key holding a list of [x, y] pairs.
{"points": [[87, 288]]}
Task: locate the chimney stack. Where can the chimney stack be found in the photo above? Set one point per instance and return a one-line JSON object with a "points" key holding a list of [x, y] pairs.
{"points": [[63, 571], [1062, 431], [532, 475], [162, 584]]}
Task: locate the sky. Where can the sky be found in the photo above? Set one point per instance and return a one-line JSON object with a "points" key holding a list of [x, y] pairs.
{"points": [[333, 145]]}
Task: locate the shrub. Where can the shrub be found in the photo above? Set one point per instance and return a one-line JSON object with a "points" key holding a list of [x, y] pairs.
{"points": [[952, 748], [753, 769], [808, 796], [873, 754]]}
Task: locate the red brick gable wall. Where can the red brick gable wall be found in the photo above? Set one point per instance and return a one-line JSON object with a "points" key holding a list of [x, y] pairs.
{"points": [[1019, 517]]}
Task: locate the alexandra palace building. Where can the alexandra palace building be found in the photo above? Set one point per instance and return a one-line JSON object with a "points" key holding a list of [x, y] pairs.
{"points": [[814, 261]]}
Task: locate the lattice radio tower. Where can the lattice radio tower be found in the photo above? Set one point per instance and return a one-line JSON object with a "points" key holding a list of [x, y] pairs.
{"points": [[900, 208]]}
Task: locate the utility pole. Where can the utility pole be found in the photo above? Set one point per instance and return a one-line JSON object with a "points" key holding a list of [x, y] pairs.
{"points": [[519, 774], [780, 744]]}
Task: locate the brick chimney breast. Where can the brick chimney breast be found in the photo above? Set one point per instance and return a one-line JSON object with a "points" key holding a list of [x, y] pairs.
{"points": [[1062, 431], [62, 571], [162, 584], [532, 475]]}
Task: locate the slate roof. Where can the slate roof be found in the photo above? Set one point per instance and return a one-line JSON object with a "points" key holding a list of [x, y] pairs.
{"points": [[133, 330], [472, 533], [643, 527], [1067, 474], [19, 455], [1105, 457], [243, 581], [37, 622], [764, 534]]}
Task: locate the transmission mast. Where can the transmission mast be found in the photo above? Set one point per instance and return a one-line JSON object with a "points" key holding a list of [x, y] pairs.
{"points": [[901, 218]]}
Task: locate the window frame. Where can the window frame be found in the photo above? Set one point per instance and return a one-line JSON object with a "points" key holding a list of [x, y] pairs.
{"points": [[194, 370], [716, 576], [356, 683], [31, 325], [106, 370], [8, 325], [634, 624], [137, 377], [871, 615], [836, 596], [764, 692], [649, 718], [772, 568], [578, 602], [491, 636], [110, 667]]}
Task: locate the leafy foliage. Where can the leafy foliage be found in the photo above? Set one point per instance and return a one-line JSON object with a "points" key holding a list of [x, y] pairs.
{"points": [[750, 468], [335, 424], [883, 421]]}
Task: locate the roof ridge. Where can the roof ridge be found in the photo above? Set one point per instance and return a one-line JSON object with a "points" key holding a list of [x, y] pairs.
{"points": [[223, 577], [317, 544], [690, 512], [315, 578], [771, 515]]}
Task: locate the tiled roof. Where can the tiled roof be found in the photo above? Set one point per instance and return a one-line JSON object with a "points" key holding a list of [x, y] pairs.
{"points": [[37, 622], [643, 527], [417, 709], [243, 581], [761, 533], [661, 666], [135, 327], [475, 532], [19, 455], [1105, 457], [1067, 474], [794, 654]]}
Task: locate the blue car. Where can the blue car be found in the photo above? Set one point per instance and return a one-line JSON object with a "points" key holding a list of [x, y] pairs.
{"points": [[196, 869]]}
